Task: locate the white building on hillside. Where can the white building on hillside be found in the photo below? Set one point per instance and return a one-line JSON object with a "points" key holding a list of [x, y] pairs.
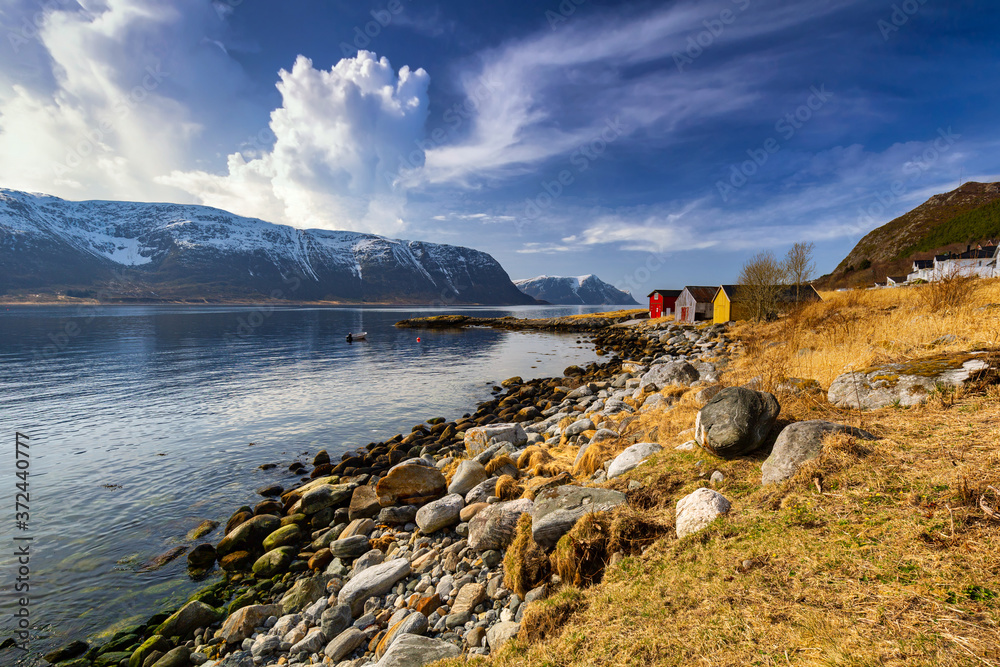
{"points": [[980, 262]]}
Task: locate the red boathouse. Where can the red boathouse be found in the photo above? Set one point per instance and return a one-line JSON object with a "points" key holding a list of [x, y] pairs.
{"points": [[661, 302]]}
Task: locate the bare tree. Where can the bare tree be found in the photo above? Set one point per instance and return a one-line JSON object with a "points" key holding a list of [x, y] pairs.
{"points": [[761, 283], [798, 265]]}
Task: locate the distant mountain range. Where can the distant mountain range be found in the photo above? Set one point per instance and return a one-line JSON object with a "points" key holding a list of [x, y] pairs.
{"points": [[580, 290], [128, 251], [968, 215]]}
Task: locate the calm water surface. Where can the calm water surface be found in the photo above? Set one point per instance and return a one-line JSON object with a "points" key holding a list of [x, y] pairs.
{"points": [[144, 421]]}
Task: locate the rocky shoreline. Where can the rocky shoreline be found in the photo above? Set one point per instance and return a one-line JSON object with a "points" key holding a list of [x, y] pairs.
{"points": [[430, 544]]}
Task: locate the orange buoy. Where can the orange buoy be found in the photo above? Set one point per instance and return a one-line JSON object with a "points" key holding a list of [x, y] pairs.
{"points": [[418, 340]]}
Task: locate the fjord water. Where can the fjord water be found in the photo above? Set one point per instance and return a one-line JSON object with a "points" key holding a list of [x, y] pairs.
{"points": [[145, 420]]}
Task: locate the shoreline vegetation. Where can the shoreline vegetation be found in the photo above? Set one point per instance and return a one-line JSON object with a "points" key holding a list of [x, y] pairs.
{"points": [[704, 495]]}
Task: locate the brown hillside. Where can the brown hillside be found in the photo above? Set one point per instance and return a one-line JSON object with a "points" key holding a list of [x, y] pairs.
{"points": [[884, 251]]}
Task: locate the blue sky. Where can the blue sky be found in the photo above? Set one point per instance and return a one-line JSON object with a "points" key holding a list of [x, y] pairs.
{"points": [[655, 144]]}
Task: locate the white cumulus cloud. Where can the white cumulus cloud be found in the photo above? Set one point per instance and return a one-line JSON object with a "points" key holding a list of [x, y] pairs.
{"points": [[341, 138]]}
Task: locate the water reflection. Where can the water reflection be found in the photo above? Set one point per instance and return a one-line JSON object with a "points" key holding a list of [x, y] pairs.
{"points": [[141, 421]]}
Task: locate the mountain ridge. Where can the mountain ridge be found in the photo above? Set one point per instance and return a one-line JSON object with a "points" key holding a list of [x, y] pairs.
{"points": [[947, 221], [182, 252], [588, 290]]}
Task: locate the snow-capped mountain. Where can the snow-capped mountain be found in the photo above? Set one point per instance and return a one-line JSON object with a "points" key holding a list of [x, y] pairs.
{"points": [[579, 290], [139, 251]]}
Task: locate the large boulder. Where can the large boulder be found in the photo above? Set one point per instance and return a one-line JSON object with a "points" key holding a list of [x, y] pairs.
{"points": [[416, 651], [494, 526], [305, 591], [908, 383], [501, 633], [798, 443], [478, 438], [578, 427], [375, 580], [242, 622], [323, 496], [671, 373], [481, 491], [631, 458], [697, 510], [283, 537], [410, 484], [274, 562], [469, 597], [344, 644], [413, 624], [467, 476], [187, 619], [439, 514], [249, 535], [556, 510], [736, 421], [364, 503]]}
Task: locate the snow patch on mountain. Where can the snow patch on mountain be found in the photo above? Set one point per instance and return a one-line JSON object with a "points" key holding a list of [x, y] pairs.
{"points": [[164, 238]]}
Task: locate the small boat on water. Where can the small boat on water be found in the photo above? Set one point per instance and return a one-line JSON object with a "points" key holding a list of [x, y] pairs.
{"points": [[351, 337]]}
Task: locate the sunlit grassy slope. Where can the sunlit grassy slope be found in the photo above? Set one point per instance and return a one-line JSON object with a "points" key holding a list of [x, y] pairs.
{"points": [[874, 554]]}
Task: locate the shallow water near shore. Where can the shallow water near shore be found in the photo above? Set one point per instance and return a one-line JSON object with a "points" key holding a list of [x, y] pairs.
{"points": [[145, 420]]}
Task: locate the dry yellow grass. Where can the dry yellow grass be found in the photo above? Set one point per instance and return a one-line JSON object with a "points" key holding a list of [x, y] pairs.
{"points": [[873, 554], [857, 329]]}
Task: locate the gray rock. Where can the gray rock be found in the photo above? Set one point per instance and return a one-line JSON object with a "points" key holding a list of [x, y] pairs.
{"points": [[907, 383], [708, 393], [632, 457], [578, 427], [344, 644], [699, 509], [397, 516], [481, 492], [556, 510], [671, 373], [311, 643], [439, 514], [237, 659], [305, 591], [373, 557], [376, 580], [350, 547], [580, 392], [416, 651], [467, 476], [327, 495], [493, 527], [798, 443], [501, 633], [478, 438], [335, 620], [736, 421]]}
